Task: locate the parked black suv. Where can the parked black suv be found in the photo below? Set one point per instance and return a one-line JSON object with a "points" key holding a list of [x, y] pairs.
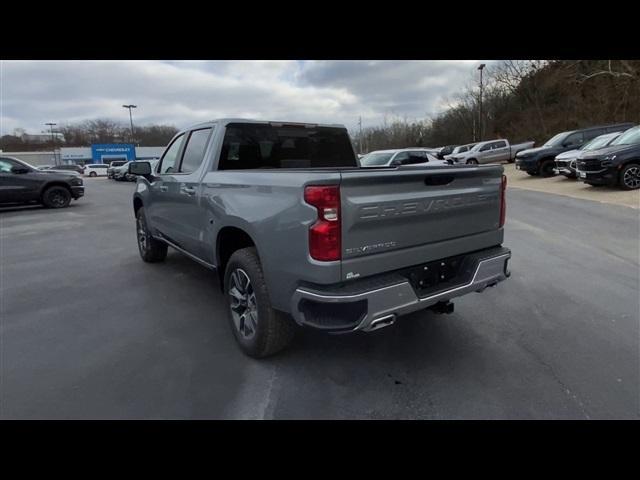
{"points": [[616, 164], [22, 183], [540, 160]]}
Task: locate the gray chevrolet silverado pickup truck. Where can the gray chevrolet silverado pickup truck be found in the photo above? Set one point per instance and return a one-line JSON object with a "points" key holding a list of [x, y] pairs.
{"points": [[298, 233]]}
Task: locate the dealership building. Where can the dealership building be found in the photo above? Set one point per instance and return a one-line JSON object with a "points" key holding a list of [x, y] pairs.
{"points": [[96, 153]]}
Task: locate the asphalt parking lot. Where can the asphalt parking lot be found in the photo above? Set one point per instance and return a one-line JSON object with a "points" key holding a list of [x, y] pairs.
{"points": [[90, 331]]}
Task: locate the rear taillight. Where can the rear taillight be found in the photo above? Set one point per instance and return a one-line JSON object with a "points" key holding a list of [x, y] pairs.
{"points": [[503, 200], [325, 233]]}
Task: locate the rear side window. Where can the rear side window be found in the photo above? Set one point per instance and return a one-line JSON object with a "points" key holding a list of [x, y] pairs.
{"points": [[500, 144], [194, 151], [253, 146]]}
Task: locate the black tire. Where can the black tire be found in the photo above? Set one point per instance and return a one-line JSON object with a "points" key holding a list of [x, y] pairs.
{"points": [[472, 161], [93, 174], [546, 168], [260, 330], [151, 250], [56, 197], [630, 177]]}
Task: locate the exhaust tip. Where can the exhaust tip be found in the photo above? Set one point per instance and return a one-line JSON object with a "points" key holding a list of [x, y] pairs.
{"points": [[381, 322]]}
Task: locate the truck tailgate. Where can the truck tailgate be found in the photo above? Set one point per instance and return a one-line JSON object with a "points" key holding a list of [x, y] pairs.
{"points": [[396, 218]]}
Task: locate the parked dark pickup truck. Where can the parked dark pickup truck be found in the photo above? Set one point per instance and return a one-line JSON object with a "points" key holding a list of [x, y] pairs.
{"points": [[23, 183], [296, 229], [540, 161], [616, 164]]}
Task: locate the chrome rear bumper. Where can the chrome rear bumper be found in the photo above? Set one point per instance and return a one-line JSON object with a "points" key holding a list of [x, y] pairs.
{"points": [[385, 303]]}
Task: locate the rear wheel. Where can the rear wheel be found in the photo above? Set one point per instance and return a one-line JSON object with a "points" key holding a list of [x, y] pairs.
{"points": [[56, 197], [260, 330], [151, 250], [630, 177], [546, 168]]}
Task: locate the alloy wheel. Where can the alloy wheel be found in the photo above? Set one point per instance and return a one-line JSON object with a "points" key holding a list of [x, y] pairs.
{"points": [[143, 238], [631, 177], [242, 301]]}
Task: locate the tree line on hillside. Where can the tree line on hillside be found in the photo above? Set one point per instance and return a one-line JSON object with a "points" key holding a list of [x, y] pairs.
{"points": [[94, 131], [522, 100]]}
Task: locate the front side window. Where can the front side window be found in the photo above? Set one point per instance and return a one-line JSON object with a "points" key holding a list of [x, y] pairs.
{"points": [[574, 139], [500, 144], [6, 165], [630, 137], [486, 147], [168, 161], [401, 158], [194, 151], [589, 134], [556, 140]]}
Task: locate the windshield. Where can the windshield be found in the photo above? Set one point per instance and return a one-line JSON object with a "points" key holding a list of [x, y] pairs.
{"points": [[557, 140], [376, 159], [598, 142], [630, 137]]}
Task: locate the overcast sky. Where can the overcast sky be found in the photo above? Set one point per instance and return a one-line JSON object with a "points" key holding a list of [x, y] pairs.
{"points": [[185, 92]]}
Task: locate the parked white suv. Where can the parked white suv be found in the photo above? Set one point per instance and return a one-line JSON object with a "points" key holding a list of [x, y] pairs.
{"points": [[95, 170], [396, 157]]}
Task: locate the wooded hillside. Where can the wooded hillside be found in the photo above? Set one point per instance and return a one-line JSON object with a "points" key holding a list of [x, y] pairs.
{"points": [[523, 100]]}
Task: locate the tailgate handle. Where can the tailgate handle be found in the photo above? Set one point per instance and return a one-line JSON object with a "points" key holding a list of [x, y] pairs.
{"points": [[438, 180]]}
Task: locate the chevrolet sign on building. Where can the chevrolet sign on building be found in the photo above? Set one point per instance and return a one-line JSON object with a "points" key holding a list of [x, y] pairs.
{"points": [[106, 153]]}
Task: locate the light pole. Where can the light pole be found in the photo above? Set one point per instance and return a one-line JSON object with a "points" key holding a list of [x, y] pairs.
{"points": [[360, 142], [481, 67], [130, 118], [53, 145]]}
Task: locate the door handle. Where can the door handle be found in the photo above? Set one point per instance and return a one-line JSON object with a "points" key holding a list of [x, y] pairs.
{"points": [[188, 190], [163, 188]]}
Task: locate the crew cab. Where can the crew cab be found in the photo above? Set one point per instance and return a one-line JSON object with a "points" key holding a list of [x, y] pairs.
{"points": [[541, 160], [491, 151], [616, 164], [24, 183], [300, 234]]}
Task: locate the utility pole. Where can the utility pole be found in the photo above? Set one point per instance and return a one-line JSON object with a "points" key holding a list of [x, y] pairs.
{"points": [[53, 145], [481, 68], [360, 142], [130, 118]]}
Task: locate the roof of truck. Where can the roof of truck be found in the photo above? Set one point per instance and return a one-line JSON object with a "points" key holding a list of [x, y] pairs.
{"points": [[227, 120]]}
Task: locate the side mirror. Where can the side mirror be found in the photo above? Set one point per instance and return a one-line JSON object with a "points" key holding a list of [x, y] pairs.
{"points": [[396, 163], [19, 170], [140, 168]]}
